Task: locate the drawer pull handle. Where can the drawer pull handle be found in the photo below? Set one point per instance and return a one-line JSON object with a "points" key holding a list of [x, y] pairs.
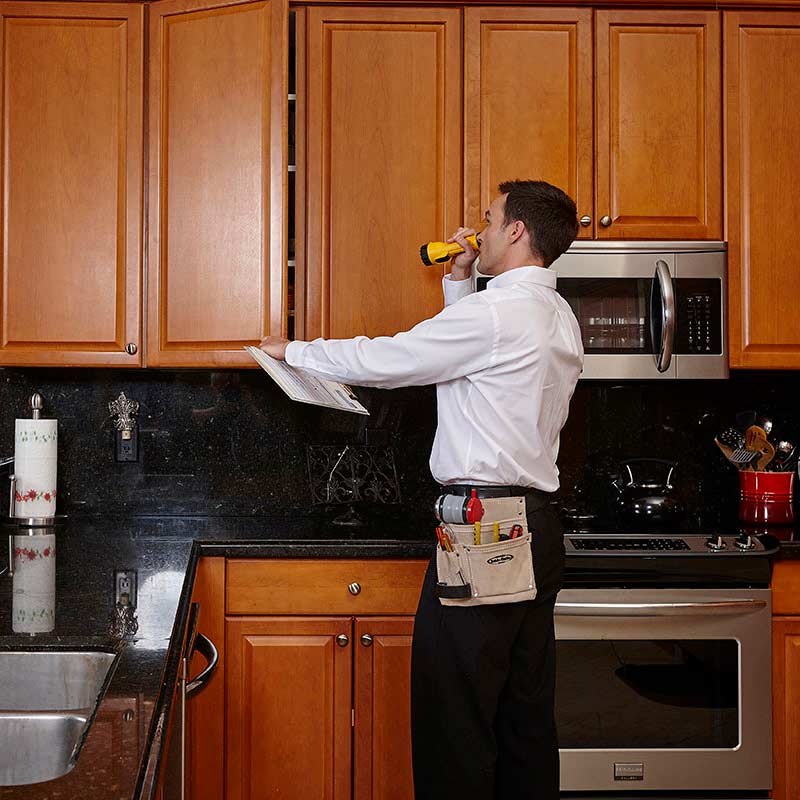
{"points": [[354, 588], [342, 640], [366, 640]]}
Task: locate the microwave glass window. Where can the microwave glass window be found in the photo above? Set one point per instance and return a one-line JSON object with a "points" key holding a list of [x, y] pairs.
{"points": [[648, 694], [612, 313]]}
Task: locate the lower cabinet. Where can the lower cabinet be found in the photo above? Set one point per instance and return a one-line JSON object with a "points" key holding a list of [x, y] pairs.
{"points": [[317, 659], [318, 707], [786, 679]]}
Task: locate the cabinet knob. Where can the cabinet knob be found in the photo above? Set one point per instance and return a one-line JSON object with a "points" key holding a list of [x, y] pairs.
{"points": [[605, 221], [354, 588], [131, 349], [342, 640], [366, 640], [586, 220]]}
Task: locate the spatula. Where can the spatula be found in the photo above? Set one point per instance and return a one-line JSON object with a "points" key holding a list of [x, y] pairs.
{"points": [[755, 439]]}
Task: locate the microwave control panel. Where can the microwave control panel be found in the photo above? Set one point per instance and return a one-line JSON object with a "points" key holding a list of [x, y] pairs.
{"points": [[698, 328]]}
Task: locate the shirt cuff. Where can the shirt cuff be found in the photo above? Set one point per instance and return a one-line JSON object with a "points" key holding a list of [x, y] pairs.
{"points": [[455, 290], [294, 353]]}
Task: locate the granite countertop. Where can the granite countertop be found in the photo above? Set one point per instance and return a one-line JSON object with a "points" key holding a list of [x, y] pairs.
{"points": [[119, 757]]}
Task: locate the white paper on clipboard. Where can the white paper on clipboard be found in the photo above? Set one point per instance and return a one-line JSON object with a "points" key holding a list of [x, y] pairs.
{"points": [[304, 387]]}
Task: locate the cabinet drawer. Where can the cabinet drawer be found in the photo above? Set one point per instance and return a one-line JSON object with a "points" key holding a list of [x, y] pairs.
{"points": [[300, 586]]}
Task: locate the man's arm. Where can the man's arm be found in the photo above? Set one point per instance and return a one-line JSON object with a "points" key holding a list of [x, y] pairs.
{"points": [[458, 341]]}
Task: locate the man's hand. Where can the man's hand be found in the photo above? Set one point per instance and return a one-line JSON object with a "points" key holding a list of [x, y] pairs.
{"points": [[462, 264], [275, 346]]}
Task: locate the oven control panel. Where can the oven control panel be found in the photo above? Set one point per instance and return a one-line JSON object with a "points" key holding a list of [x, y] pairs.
{"points": [[631, 544]]}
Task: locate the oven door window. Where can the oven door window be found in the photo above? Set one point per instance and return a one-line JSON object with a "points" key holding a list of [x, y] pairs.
{"points": [[648, 694], [613, 313]]}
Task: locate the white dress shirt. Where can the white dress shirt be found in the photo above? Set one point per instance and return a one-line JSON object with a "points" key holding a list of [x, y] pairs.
{"points": [[505, 362]]}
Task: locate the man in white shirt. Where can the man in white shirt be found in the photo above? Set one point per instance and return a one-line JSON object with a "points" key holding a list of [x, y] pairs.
{"points": [[505, 363]]}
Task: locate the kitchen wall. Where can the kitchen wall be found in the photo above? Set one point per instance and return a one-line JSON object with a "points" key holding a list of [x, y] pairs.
{"points": [[231, 443]]}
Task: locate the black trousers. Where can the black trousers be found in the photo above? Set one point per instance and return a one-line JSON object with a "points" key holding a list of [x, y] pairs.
{"points": [[483, 685]]}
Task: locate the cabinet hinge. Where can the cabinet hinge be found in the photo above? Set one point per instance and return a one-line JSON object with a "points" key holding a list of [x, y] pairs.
{"points": [[352, 718]]}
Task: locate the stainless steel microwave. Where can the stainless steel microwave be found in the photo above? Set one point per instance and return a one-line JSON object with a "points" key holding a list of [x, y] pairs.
{"points": [[647, 309]]}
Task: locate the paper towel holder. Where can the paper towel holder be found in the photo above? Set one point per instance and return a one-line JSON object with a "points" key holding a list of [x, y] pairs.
{"points": [[36, 403]]}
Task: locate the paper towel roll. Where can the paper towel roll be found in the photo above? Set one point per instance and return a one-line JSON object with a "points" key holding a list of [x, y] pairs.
{"points": [[33, 604], [35, 467]]}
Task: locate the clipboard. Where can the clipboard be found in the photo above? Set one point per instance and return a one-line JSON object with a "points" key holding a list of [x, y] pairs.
{"points": [[303, 387]]}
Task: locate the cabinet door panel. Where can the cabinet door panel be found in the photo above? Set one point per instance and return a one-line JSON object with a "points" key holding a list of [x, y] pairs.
{"points": [[72, 193], [762, 69], [289, 701], [217, 184], [205, 713], [383, 164], [528, 95], [786, 707], [382, 754], [659, 130]]}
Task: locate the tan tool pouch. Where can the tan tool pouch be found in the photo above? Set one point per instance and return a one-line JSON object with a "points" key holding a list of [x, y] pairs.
{"points": [[485, 574]]}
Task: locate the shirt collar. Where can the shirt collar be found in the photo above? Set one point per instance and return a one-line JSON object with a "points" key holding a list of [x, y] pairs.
{"points": [[539, 275]]}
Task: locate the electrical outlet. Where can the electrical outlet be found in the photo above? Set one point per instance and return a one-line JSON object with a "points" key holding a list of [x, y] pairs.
{"points": [[125, 584], [126, 445]]}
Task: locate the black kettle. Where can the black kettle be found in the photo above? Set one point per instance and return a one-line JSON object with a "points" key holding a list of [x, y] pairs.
{"points": [[644, 490]]}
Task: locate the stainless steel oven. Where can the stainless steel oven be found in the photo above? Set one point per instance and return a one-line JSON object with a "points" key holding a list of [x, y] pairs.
{"points": [[664, 690], [648, 309]]}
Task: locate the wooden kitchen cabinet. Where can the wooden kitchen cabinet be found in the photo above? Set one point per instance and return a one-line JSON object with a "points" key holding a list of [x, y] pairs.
{"points": [[786, 707], [762, 78], [786, 679], [318, 706], [217, 182], [528, 103], [658, 125], [383, 164], [382, 692], [72, 192], [205, 713], [654, 168], [289, 706]]}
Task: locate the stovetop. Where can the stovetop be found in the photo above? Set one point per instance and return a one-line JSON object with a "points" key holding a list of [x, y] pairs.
{"points": [[602, 553]]}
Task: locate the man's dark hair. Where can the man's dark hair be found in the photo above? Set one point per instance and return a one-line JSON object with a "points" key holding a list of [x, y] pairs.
{"points": [[549, 216]]}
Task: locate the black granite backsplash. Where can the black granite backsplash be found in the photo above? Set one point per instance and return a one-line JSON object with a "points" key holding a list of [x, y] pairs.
{"points": [[230, 443]]}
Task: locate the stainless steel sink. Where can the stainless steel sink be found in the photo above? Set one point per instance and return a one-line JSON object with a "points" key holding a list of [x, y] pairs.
{"points": [[46, 700]]}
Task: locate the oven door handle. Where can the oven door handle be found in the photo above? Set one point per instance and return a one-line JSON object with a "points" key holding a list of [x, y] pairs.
{"points": [[713, 608]]}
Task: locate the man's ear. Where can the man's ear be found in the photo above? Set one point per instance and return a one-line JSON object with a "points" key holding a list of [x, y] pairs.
{"points": [[517, 231]]}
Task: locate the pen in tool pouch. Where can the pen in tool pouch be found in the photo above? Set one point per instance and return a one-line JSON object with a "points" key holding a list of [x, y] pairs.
{"points": [[496, 536], [476, 538]]}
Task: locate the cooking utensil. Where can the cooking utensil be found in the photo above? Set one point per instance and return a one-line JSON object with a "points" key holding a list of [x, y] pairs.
{"points": [[741, 457], [756, 440], [784, 453]]}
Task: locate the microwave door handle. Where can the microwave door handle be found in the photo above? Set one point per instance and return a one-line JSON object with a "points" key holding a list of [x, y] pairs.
{"points": [[713, 608], [664, 279]]}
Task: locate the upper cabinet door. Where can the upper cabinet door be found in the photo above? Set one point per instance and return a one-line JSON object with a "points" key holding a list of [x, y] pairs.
{"points": [[383, 164], [659, 130], [72, 188], [217, 180], [528, 95], [762, 69]]}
